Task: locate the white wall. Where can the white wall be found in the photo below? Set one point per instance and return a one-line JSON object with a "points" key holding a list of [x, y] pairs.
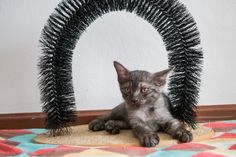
{"points": [[116, 36]]}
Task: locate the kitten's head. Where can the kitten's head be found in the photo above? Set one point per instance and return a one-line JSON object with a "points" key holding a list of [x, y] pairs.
{"points": [[140, 87]]}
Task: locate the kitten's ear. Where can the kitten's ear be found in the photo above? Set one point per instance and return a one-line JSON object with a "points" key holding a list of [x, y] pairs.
{"points": [[161, 76], [122, 72]]}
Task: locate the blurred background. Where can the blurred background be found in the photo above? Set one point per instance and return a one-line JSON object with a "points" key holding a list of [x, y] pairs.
{"points": [[117, 36]]}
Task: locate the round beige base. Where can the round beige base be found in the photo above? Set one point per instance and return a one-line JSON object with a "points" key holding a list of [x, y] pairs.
{"points": [[81, 136]]}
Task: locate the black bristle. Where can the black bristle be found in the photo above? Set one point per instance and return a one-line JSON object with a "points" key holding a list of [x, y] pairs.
{"points": [[71, 18]]}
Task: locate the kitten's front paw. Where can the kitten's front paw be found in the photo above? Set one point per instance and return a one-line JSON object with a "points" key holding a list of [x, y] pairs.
{"points": [[111, 127], [149, 140], [183, 135], [96, 125]]}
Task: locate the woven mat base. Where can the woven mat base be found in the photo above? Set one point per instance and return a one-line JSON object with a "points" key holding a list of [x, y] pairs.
{"points": [[81, 136]]}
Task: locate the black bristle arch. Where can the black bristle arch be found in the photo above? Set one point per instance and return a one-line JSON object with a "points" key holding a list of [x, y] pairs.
{"points": [[71, 18]]}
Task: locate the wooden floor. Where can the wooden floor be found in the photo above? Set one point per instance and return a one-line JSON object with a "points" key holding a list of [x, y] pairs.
{"points": [[36, 120]]}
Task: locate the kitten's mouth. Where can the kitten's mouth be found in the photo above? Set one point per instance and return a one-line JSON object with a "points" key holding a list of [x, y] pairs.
{"points": [[138, 104]]}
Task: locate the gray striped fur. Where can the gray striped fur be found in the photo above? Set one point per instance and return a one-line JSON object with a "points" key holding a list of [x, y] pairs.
{"points": [[145, 110]]}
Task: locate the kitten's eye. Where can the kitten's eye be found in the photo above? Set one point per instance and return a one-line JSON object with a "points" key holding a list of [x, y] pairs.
{"points": [[158, 84], [126, 89], [144, 90]]}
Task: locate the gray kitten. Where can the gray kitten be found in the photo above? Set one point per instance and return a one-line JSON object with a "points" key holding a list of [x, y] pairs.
{"points": [[146, 109]]}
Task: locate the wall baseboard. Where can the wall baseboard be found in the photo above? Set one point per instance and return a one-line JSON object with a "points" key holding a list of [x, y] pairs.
{"points": [[216, 112], [36, 120]]}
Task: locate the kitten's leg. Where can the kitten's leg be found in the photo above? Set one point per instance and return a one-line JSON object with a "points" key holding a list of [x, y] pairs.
{"points": [[118, 112], [147, 137], [177, 130], [99, 123], [114, 126]]}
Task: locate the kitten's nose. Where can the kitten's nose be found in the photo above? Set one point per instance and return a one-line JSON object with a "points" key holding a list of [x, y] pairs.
{"points": [[134, 101]]}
